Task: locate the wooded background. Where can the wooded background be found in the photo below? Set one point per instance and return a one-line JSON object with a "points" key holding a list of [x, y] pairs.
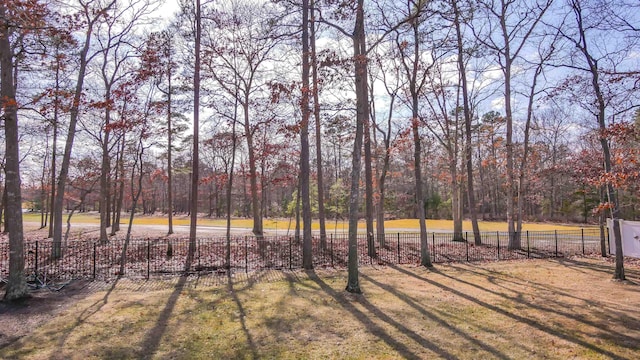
{"points": [[492, 109]]}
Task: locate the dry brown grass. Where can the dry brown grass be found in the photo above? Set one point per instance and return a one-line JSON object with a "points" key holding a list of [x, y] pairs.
{"points": [[283, 225], [555, 309]]}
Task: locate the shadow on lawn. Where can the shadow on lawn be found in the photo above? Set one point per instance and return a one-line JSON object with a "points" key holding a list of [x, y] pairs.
{"points": [[234, 295], [152, 339], [441, 322], [632, 273], [552, 305], [519, 318], [86, 314], [376, 329]]}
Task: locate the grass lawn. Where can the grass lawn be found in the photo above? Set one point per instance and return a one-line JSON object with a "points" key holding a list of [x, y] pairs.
{"points": [[286, 224], [554, 309]]}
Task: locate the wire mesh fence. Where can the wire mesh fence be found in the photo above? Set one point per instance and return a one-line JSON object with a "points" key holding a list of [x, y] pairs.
{"points": [[144, 258]]}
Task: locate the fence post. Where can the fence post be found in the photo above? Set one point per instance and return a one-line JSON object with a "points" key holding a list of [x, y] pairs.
{"points": [[290, 254], [528, 247], [398, 248], [36, 264], [498, 237], [433, 242], [582, 237], [94, 261], [555, 232], [148, 259], [331, 249], [246, 255], [466, 238]]}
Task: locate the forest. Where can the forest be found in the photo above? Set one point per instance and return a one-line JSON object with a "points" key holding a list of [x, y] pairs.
{"points": [[512, 110]]}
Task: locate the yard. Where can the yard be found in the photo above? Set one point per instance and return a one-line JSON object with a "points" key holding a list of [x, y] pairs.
{"points": [[551, 308]]}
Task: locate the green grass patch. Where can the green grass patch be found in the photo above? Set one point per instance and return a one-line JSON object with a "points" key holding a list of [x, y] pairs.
{"points": [[532, 309]]}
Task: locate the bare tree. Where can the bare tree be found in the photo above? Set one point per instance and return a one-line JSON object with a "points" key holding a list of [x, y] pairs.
{"points": [[116, 52], [91, 13], [587, 33], [411, 61], [239, 70], [468, 118], [508, 26]]}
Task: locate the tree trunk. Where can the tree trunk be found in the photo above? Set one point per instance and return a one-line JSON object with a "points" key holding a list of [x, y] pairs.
{"points": [[195, 155], [456, 193], [525, 152], [383, 176], [316, 113], [307, 255], [3, 213], [253, 173], [54, 146], [16, 283], [43, 186], [368, 179], [105, 172], [169, 159], [425, 258], [362, 103], [230, 185], [514, 239], [468, 118], [604, 141], [120, 193]]}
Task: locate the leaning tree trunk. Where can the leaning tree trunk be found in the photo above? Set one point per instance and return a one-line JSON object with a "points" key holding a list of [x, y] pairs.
{"points": [[56, 250]]}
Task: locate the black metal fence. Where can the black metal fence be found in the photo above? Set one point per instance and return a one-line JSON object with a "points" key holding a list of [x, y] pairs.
{"points": [[144, 258]]}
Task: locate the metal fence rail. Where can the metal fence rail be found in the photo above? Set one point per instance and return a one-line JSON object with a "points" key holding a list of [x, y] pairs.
{"points": [[144, 258]]}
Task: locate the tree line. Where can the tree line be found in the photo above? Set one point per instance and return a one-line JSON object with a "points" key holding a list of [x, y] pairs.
{"points": [[482, 109]]}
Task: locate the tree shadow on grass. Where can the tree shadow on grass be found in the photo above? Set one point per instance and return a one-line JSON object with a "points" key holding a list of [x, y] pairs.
{"points": [[234, 295], [519, 318], [554, 306], [87, 313], [495, 353], [632, 273], [151, 341], [376, 329]]}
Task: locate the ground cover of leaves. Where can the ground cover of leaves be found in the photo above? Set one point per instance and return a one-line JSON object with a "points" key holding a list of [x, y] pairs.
{"points": [[558, 309]]}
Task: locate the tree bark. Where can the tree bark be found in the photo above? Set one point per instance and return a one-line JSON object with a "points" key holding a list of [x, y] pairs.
{"points": [[195, 155], [316, 113], [105, 169], [307, 255], [115, 226], [16, 283], [468, 118], [368, 179], [362, 103], [169, 146], [425, 258]]}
